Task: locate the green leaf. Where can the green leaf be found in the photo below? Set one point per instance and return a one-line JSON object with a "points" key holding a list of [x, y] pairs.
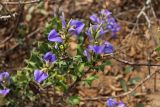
{"points": [[134, 80], [43, 47], [31, 64], [35, 61], [97, 34], [81, 67], [90, 79], [101, 67], [79, 49], [81, 39], [108, 62], [63, 85], [139, 105], [157, 49], [73, 100], [128, 69], [124, 85]]}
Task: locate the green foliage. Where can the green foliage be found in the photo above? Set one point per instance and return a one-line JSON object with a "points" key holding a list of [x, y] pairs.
{"points": [[55, 23], [139, 105], [73, 100], [134, 80], [61, 73], [90, 79], [124, 85], [101, 67], [128, 69], [157, 49]]}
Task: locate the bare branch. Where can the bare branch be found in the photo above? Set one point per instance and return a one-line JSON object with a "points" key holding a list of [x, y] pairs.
{"points": [[133, 63], [17, 3], [8, 16]]}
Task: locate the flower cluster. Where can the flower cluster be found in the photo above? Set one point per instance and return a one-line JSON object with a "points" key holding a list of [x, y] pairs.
{"points": [[54, 59], [101, 25], [98, 28], [113, 103], [74, 27], [4, 81], [106, 21]]}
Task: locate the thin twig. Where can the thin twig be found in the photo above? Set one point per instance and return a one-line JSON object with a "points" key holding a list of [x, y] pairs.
{"points": [[133, 63], [15, 46], [155, 81], [33, 33], [142, 13], [20, 9], [8, 16], [17, 3]]}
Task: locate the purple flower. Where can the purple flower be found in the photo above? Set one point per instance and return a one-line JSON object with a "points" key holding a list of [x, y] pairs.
{"points": [[4, 77], [106, 13], [100, 33], [76, 27], [117, 27], [111, 103], [96, 31], [49, 57], [4, 92], [108, 48], [121, 104], [54, 36], [113, 25], [98, 49], [63, 21], [87, 54], [40, 76], [91, 31], [95, 19], [111, 21]]}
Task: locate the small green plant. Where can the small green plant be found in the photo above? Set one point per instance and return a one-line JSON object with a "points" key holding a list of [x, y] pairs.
{"points": [[52, 66]]}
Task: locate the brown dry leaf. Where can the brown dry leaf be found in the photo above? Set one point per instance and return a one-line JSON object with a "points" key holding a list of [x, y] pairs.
{"points": [[132, 52], [72, 46], [147, 35], [88, 92], [115, 88], [103, 91], [107, 69]]}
